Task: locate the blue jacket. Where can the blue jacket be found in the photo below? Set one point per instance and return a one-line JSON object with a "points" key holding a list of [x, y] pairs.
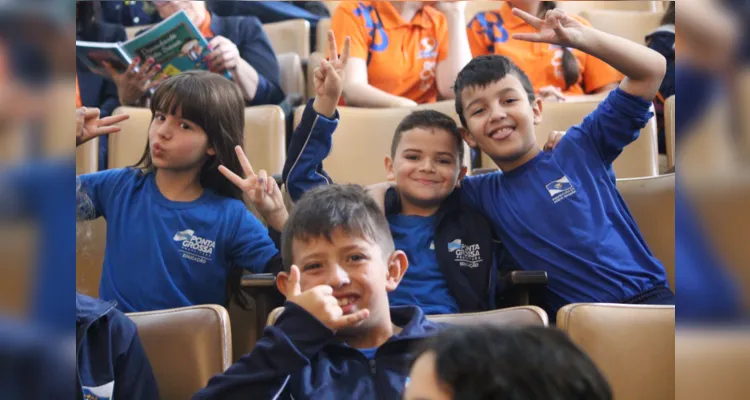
{"points": [[255, 48], [110, 359], [130, 13], [473, 287], [298, 358]]}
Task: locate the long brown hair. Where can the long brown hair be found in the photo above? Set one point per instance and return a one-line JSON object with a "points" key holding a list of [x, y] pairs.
{"points": [[215, 104], [570, 67]]}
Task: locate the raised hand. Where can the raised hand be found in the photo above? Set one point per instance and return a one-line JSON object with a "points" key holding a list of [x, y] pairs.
{"points": [[449, 7], [329, 76], [89, 125], [552, 94], [224, 54], [132, 84], [557, 27], [319, 302], [261, 190]]}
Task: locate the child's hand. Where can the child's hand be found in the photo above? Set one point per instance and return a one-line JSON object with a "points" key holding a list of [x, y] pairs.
{"points": [[553, 140], [329, 77], [319, 302], [89, 126], [261, 190], [557, 27]]}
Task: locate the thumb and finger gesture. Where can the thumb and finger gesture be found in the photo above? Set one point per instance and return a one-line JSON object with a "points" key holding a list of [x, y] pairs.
{"points": [[89, 125], [262, 191], [557, 27], [330, 74]]}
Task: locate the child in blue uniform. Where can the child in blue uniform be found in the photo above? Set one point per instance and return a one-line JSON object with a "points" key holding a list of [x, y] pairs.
{"points": [[337, 337], [176, 227], [560, 211]]}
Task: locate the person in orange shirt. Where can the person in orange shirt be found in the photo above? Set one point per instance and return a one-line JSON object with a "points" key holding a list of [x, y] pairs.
{"points": [[239, 45], [555, 72], [402, 53]]}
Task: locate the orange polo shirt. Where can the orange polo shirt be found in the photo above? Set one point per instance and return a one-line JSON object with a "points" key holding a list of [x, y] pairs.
{"points": [[490, 33], [404, 55], [79, 103], [205, 27]]}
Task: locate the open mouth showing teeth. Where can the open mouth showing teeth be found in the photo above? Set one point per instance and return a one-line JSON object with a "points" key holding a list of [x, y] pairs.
{"points": [[501, 133], [345, 301]]}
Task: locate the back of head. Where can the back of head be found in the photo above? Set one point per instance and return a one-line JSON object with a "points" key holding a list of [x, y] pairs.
{"points": [[325, 209], [216, 105], [429, 119], [534, 363], [484, 70]]}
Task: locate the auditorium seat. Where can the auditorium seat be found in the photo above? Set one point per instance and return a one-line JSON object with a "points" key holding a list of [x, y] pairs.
{"points": [[292, 77], [669, 115], [639, 159], [87, 157], [516, 316], [264, 137], [321, 36], [91, 240], [362, 141], [578, 7], [633, 345], [186, 347], [651, 202], [633, 25], [712, 364], [290, 36]]}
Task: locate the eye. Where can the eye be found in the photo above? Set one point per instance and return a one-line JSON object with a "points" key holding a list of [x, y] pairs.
{"points": [[510, 101], [357, 258], [412, 157], [185, 126], [159, 116], [477, 111], [310, 267], [446, 162]]}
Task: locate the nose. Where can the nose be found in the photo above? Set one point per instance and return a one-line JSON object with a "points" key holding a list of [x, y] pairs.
{"points": [[497, 112], [164, 130], [427, 165], [339, 277]]}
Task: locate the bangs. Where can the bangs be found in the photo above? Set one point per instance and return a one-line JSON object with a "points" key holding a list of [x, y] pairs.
{"points": [[189, 93]]}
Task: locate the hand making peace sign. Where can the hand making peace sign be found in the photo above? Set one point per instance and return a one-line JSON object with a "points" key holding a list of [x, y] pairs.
{"points": [[89, 125]]}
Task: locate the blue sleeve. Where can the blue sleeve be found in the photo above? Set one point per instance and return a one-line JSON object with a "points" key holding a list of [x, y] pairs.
{"points": [[310, 145], [473, 188], [252, 248], [285, 349], [256, 49], [101, 188], [615, 123], [133, 374]]}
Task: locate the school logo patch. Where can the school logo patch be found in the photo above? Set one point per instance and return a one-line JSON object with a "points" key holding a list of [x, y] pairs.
{"points": [[560, 189], [466, 255], [194, 247], [103, 392]]}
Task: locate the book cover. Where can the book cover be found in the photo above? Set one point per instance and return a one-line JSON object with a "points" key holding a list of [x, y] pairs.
{"points": [[94, 53]]}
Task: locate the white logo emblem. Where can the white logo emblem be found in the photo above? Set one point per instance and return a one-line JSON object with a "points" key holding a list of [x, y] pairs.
{"points": [[103, 392], [466, 255], [195, 247], [560, 189]]}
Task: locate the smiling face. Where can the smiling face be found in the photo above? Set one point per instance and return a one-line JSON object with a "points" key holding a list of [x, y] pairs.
{"points": [[357, 270], [500, 120], [426, 166]]}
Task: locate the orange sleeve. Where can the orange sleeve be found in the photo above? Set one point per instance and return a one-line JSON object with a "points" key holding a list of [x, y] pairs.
{"points": [[441, 33], [344, 23], [478, 41], [79, 103], [597, 74]]}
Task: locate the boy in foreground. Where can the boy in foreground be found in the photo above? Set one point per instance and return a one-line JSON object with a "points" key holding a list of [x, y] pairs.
{"points": [[337, 337]]}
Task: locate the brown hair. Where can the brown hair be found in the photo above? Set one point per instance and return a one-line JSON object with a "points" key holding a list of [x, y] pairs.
{"points": [[215, 104], [570, 68]]}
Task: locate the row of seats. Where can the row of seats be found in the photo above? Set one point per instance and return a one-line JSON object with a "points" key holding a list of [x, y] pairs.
{"points": [[363, 138], [633, 345]]}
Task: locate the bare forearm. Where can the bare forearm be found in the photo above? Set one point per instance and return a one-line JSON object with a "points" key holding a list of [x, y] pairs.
{"points": [[366, 95], [459, 54], [246, 78], [643, 68]]}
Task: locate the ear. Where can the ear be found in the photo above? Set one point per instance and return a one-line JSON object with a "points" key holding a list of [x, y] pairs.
{"points": [[210, 151], [467, 137], [389, 169], [397, 265], [536, 108], [281, 280]]}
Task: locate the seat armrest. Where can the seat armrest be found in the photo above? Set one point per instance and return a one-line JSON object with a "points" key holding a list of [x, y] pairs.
{"points": [[519, 288]]}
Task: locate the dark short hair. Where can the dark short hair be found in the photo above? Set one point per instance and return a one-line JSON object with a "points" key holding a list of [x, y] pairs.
{"points": [[216, 105], [485, 70], [429, 119], [531, 363], [324, 209]]}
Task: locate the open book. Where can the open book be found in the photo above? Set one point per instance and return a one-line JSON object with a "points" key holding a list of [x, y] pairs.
{"points": [[175, 43]]}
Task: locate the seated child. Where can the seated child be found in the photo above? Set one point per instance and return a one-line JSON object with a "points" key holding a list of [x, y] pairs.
{"points": [[487, 362], [450, 248], [338, 337], [560, 211], [110, 359]]}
